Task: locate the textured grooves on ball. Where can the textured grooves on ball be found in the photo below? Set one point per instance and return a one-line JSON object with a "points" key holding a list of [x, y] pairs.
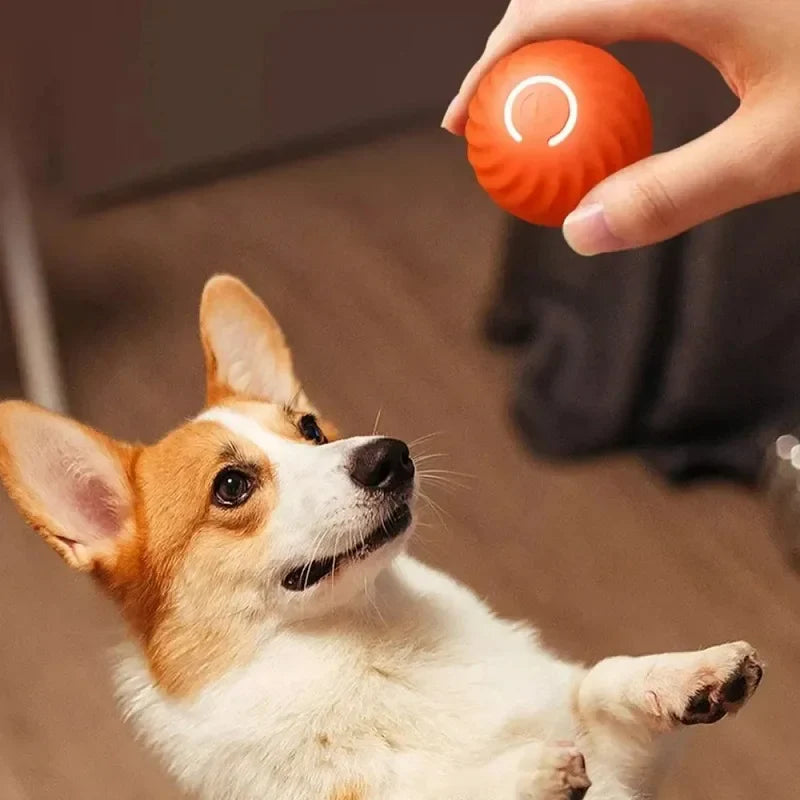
{"points": [[542, 186]]}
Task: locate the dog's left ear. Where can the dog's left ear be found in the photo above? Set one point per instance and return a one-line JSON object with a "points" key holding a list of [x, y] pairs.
{"points": [[245, 350]]}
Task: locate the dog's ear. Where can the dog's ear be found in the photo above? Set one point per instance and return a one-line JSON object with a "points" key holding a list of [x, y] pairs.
{"points": [[71, 483], [245, 351]]}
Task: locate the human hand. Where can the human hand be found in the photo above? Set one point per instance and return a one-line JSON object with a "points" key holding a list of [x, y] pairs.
{"points": [[754, 155]]}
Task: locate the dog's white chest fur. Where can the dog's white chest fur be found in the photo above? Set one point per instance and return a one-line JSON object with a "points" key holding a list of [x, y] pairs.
{"points": [[425, 682]]}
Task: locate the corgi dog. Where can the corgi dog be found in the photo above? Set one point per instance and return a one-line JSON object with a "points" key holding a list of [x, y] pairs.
{"points": [[283, 644]]}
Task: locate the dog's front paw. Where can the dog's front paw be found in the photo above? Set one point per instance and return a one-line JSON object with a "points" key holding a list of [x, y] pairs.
{"points": [[556, 772], [727, 679]]}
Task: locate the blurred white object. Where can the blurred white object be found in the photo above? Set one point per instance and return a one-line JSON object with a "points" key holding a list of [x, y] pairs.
{"points": [[782, 472], [25, 288]]}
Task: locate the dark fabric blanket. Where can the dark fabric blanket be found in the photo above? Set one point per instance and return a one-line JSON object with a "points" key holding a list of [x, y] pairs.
{"points": [[687, 352]]}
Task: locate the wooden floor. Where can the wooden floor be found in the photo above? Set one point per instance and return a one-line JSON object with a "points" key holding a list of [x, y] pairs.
{"points": [[378, 262]]}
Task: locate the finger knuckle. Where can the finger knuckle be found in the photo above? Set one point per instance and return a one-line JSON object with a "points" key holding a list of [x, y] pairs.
{"points": [[768, 160], [655, 204]]}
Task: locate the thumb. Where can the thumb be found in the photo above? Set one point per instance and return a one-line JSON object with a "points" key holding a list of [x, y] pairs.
{"points": [[729, 167]]}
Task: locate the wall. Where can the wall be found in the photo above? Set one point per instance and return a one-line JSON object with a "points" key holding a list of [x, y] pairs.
{"points": [[152, 87]]}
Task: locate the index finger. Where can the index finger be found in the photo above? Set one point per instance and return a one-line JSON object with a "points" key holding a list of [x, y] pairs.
{"points": [[503, 40]]}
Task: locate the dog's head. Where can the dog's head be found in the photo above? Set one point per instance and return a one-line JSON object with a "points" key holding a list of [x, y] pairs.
{"points": [[253, 513]]}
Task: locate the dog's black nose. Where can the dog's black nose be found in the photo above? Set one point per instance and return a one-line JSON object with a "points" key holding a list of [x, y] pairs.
{"points": [[382, 464]]}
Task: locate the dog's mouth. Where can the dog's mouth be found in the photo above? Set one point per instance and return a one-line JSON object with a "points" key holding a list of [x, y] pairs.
{"points": [[302, 578]]}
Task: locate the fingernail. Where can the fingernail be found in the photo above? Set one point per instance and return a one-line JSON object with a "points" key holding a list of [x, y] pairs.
{"points": [[445, 118], [587, 233]]}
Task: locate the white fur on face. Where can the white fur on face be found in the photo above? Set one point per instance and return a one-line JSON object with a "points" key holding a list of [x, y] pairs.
{"points": [[320, 510]]}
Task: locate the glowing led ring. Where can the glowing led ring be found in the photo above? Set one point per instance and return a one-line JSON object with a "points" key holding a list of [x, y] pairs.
{"points": [[538, 80]]}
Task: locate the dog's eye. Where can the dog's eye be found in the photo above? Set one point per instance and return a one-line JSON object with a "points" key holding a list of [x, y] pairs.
{"points": [[232, 487], [310, 429]]}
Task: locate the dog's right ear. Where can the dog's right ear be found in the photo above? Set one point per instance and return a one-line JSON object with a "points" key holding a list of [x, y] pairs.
{"points": [[71, 483]]}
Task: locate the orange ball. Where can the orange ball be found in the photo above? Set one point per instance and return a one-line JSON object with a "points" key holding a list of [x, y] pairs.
{"points": [[549, 122]]}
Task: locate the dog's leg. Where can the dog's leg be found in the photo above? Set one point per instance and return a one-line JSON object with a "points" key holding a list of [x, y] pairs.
{"points": [[553, 772], [623, 704], [661, 692], [533, 771]]}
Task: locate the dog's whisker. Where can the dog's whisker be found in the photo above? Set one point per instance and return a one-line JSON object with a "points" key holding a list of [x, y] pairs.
{"points": [[445, 486], [423, 543], [427, 457], [447, 480], [444, 481], [420, 439], [437, 476], [444, 477], [448, 472], [438, 480], [377, 421], [371, 598], [335, 553], [436, 508], [316, 544]]}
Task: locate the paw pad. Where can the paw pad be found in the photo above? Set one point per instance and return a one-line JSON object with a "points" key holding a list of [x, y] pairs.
{"points": [[715, 701]]}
